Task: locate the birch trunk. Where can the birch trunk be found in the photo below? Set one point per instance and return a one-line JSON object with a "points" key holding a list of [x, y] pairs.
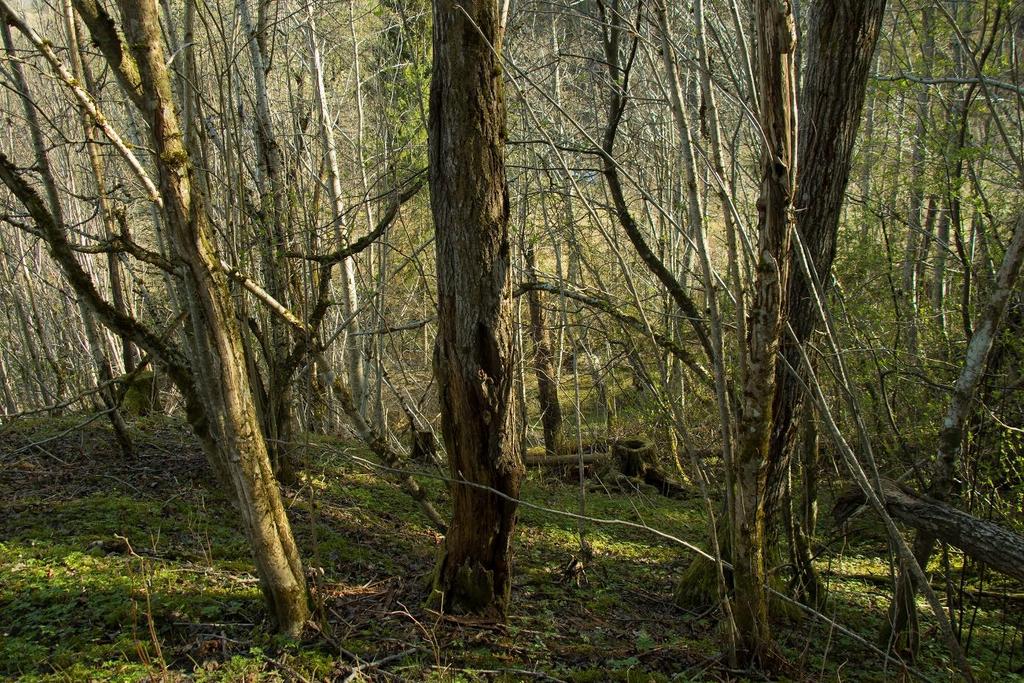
{"points": [[349, 292]]}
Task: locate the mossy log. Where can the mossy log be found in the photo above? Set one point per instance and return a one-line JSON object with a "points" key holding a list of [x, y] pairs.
{"points": [[632, 457]]}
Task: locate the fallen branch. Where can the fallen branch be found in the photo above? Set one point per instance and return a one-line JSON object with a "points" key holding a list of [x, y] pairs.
{"points": [[984, 541]]}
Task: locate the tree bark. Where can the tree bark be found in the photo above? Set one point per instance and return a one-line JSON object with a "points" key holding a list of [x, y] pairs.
{"points": [[226, 417], [473, 355], [776, 66], [839, 48], [543, 364]]}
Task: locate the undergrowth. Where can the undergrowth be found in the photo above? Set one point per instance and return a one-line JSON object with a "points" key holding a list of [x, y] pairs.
{"points": [[125, 569]]}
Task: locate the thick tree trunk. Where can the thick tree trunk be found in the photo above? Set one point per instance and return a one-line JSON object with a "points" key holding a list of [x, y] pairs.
{"points": [[840, 44], [473, 356]]}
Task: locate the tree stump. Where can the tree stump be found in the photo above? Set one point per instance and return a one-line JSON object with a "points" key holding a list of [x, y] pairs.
{"points": [[141, 393], [633, 456]]}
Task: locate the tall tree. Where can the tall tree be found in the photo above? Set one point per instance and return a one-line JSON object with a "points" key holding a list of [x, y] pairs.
{"points": [[776, 70], [473, 356], [840, 42], [213, 379]]}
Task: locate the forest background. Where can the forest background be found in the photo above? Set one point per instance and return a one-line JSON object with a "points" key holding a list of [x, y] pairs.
{"points": [[400, 340]]}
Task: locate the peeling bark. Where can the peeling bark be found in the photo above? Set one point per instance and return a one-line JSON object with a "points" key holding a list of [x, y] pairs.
{"points": [[473, 355]]}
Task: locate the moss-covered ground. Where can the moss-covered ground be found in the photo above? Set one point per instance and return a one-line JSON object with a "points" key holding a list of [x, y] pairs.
{"points": [[116, 568]]}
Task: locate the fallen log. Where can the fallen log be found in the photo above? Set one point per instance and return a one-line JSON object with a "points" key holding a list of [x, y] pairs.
{"points": [[632, 457], [551, 460], [996, 546]]}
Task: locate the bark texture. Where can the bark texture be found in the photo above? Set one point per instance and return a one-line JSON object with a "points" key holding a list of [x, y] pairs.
{"points": [[840, 43], [776, 58], [225, 415], [473, 356]]}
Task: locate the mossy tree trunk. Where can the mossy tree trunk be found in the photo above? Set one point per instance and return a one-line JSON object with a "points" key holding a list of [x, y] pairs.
{"points": [[223, 410], [473, 355], [776, 59]]}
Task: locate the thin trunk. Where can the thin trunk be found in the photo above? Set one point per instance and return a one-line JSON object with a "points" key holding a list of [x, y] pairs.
{"points": [[939, 267], [349, 292], [277, 416], [543, 364], [225, 417], [917, 186], [10, 403], [776, 66]]}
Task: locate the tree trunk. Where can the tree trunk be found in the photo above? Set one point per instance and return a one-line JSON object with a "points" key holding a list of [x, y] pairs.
{"points": [[543, 365], [226, 417], [917, 180], [839, 48], [473, 356], [776, 57], [277, 416]]}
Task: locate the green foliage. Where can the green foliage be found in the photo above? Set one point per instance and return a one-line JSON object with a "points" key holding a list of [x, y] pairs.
{"points": [[402, 91]]}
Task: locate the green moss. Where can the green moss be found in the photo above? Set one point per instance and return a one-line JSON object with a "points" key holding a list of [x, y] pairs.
{"points": [[141, 394], [74, 614]]}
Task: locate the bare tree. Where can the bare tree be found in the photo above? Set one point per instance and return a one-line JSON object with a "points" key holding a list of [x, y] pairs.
{"points": [[213, 379]]}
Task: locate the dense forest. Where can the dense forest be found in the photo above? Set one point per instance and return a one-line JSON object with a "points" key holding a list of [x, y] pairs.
{"points": [[459, 341]]}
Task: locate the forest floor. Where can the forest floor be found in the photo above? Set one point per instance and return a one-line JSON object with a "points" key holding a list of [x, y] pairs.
{"points": [[134, 568]]}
